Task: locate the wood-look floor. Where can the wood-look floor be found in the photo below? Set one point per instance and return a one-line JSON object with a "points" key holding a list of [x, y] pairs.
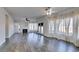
{"points": [[33, 42]]}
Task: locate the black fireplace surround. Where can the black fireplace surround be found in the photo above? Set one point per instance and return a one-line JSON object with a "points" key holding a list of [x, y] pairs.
{"points": [[25, 30]]}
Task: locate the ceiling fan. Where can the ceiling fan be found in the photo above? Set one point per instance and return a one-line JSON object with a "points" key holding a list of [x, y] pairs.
{"points": [[48, 10], [27, 19]]}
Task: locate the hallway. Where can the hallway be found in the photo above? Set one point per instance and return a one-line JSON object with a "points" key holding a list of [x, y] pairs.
{"points": [[33, 42]]}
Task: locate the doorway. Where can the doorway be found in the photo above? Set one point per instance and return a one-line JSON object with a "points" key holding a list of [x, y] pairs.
{"points": [[40, 28]]}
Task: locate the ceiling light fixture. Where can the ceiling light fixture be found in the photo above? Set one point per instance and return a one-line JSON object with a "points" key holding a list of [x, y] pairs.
{"points": [[48, 11]]}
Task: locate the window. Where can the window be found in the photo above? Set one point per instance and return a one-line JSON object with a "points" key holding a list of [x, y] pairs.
{"points": [[71, 26], [62, 26], [78, 28], [30, 26], [33, 26], [57, 26], [51, 27], [66, 26], [78, 32]]}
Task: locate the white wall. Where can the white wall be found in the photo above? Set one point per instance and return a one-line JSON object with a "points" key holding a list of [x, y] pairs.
{"points": [[2, 25], [11, 26]]}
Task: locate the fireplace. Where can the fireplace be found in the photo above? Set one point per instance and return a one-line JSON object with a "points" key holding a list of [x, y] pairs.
{"points": [[25, 30]]}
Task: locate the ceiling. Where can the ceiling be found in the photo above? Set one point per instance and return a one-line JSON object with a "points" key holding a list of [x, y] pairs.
{"points": [[28, 12], [25, 11]]}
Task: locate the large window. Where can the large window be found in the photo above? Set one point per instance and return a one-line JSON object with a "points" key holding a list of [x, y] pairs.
{"points": [[78, 32], [78, 28], [67, 21], [30, 26], [51, 26], [71, 26], [62, 26], [33, 26], [67, 26]]}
